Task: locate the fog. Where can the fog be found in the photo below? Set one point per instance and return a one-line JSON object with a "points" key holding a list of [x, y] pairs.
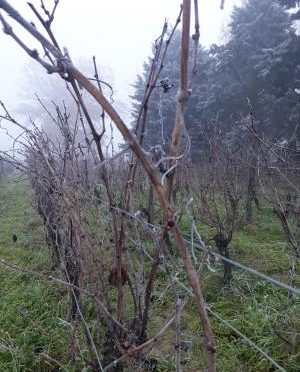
{"points": [[118, 33]]}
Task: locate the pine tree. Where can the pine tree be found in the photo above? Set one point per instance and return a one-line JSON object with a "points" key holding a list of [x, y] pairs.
{"points": [[260, 63]]}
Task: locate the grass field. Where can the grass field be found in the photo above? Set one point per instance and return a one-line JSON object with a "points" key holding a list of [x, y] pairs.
{"points": [[34, 335]]}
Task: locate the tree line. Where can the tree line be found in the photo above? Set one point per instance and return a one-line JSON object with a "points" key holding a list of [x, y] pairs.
{"points": [[258, 66]]}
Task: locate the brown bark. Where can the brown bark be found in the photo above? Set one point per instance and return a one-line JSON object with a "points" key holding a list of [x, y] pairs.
{"points": [[133, 142]]}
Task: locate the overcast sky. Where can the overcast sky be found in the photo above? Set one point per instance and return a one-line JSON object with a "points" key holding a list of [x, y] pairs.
{"points": [[118, 32]]}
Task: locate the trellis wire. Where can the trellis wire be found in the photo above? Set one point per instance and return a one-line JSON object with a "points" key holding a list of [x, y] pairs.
{"points": [[236, 264]]}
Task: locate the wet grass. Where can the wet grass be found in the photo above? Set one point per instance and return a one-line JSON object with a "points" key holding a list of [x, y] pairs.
{"points": [[32, 336], [35, 337]]}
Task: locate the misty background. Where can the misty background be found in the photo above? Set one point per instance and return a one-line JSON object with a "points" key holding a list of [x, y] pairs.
{"points": [[120, 34]]}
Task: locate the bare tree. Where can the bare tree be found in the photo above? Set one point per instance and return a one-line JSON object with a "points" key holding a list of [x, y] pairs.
{"points": [[61, 172], [217, 192]]}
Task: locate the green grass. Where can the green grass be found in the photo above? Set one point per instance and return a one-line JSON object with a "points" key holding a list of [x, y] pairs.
{"points": [[35, 337], [32, 336], [259, 310]]}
